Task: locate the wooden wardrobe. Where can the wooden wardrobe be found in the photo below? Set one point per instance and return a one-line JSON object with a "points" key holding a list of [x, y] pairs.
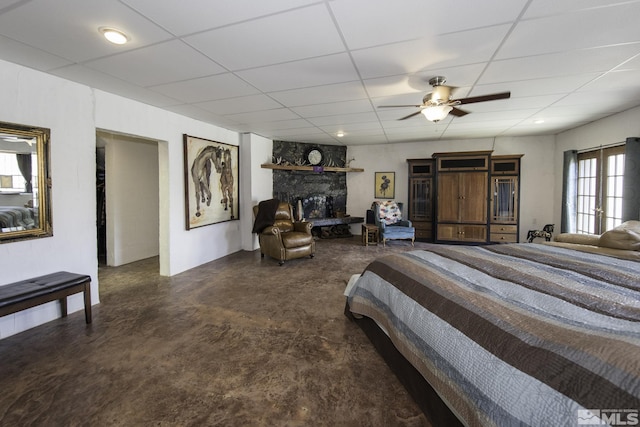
{"points": [[465, 197]]}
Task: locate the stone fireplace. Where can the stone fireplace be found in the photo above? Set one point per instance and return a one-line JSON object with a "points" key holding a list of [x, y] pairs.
{"points": [[322, 195]]}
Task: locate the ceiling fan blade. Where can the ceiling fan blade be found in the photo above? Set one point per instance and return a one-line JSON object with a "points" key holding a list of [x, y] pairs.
{"points": [[483, 98], [458, 112], [399, 106], [410, 115]]}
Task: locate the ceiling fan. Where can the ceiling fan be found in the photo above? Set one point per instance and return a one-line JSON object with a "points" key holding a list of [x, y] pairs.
{"points": [[437, 104]]}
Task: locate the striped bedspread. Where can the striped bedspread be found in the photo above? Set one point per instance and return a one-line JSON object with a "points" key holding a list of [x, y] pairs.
{"points": [[519, 334]]}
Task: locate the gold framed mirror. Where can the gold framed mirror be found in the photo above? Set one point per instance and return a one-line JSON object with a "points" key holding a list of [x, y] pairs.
{"points": [[25, 183]]}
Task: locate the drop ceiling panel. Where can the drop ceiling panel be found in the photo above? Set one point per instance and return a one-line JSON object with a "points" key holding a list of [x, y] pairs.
{"points": [[22, 54], [564, 32], [367, 23], [614, 80], [563, 64], [241, 104], [94, 78], [333, 108], [69, 28], [298, 34], [417, 122], [282, 133], [329, 69], [632, 64], [277, 67], [263, 116], [610, 100], [200, 114], [434, 131], [344, 119], [496, 125], [279, 125], [321, 94], [413, 129], [517, 114], [437, 52], [542, 8], [149, 66], [188, 17], [207, 88], [7, 3], [533, 87], [534, 130]]}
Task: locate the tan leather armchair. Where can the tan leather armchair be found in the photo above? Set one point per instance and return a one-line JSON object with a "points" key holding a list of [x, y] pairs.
{"points": [[286, 239]]}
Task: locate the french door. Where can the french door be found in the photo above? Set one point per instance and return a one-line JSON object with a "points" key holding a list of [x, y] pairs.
{"points": [[600, 179]]}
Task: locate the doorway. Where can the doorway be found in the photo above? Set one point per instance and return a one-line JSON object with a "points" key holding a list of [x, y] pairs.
{"points": [[127, 198]]}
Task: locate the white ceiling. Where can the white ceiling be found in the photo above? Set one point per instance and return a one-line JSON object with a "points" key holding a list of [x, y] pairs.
{"points": [[302, 70]]}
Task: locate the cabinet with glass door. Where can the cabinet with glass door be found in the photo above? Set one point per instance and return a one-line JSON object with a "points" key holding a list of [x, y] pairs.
{"points": [[421, 197], [504, 201]]}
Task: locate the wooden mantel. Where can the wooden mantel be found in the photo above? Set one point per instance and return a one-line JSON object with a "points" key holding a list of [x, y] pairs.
{"points": [[309, 168]]}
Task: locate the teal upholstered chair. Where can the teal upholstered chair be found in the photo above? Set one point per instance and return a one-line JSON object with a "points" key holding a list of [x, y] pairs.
{"points": [[388, 218]]}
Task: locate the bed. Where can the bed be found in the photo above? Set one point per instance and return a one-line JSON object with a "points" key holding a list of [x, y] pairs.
{"points": [[503, 335], [15, 218]]}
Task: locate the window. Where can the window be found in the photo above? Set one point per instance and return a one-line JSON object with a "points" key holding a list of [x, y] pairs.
{"points": [[11, 178], [600, 179]]}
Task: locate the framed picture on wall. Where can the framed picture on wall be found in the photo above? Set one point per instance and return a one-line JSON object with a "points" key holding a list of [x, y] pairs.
{"points": [[385, 185], [211, 181]]}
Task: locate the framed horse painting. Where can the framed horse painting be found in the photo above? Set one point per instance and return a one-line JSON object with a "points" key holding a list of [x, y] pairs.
{"points": [[211, 181]]}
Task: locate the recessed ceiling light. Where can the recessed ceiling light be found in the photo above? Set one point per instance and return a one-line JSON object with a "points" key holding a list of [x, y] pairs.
{"points": [[113, 35], [340, 134], [538, 121]]}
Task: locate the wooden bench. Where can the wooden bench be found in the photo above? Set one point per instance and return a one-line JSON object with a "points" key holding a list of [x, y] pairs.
{"points": [[29, 293]]}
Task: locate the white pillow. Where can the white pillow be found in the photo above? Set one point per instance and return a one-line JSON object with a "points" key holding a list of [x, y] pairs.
{"points": [[625, 236]]}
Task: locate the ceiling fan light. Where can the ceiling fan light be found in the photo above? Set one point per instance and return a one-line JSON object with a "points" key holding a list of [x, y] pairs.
{"points": [[437, 113]]}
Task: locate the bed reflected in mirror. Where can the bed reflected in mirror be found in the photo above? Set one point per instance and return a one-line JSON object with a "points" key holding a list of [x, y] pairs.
{"points": [[25, 185]]}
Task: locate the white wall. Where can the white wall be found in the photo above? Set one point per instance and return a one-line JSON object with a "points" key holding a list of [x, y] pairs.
{"points": [[256, 183], [132, 199], [537, 172], [73, 112], [33, 98], [610, 130], [180, 249]]}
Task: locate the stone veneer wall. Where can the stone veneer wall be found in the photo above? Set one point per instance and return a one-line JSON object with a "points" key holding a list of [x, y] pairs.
{"points": [[310, 187]]}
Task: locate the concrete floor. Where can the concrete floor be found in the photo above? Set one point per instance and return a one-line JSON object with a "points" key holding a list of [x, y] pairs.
{"points": [[239, 341]]}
